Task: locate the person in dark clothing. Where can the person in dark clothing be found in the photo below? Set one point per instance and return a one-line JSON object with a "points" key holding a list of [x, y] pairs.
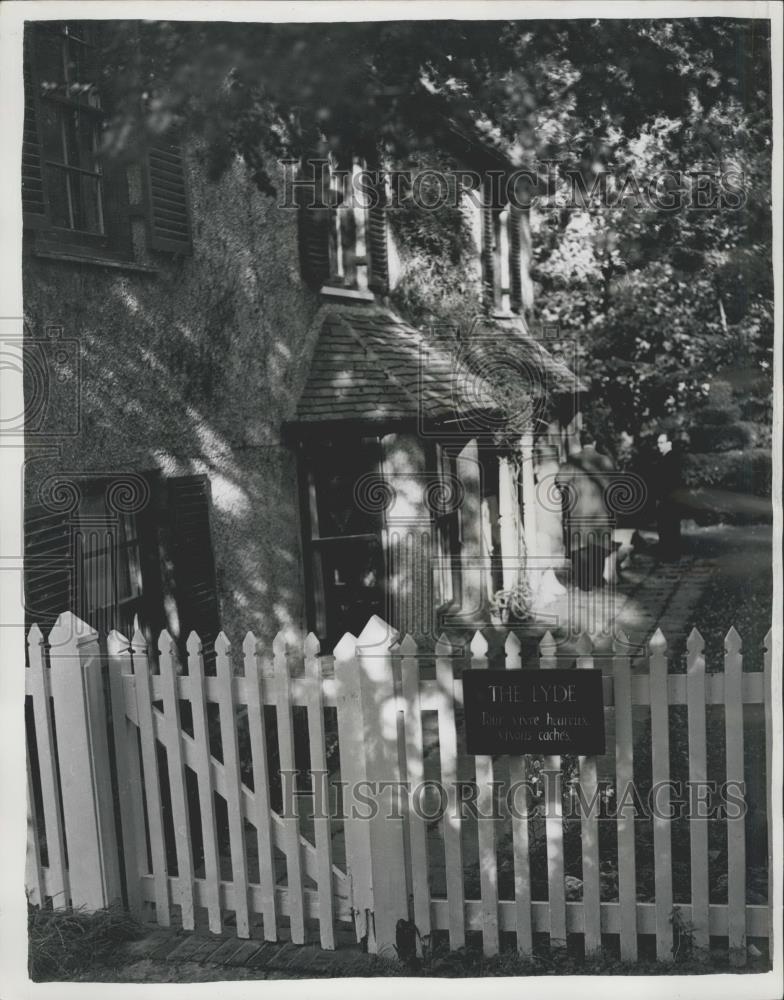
{"points": [[583, 481], [666, 483]]}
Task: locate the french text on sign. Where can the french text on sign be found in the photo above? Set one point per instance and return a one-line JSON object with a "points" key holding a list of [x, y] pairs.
{"points": [[532, 711]]}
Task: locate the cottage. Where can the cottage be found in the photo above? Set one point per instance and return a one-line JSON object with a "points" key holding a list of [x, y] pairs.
{"points": [[231, 420]]}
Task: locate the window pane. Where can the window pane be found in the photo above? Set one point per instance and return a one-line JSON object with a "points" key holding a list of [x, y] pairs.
{"points": [[49, 58], [59, 197], [85, 197], [338, 471], [353, 585]]}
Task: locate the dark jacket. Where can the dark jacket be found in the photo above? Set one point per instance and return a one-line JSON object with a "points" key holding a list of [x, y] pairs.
{"points": [[583, 479]]}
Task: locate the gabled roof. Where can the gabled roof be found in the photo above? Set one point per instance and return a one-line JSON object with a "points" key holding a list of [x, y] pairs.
{"points": [[370, 365]]}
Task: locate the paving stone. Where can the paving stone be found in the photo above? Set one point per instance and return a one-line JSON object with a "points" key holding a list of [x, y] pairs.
{"points": [[246, 951], [226, 950], [207, 949], [166, 945], [187, 948], [260, 958]]}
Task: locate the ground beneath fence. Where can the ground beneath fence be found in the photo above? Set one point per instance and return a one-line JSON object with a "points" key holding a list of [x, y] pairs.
{"points": [[176, 956]]}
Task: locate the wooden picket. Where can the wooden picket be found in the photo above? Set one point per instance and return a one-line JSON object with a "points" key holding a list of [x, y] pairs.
{"points": [[590, 828], [736, 832], [624, 777], [698, 773], [660, 776], [520, 833], [447, 746], [416, 775], [182, 833], [209, 827], [380, 690], [556, 886]]}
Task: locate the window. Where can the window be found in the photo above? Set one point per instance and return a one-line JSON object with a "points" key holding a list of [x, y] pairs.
{"points": [[448, 536], [503, 235], [109, 567], [345, 543], [75, 200], [343, 227], [113, 549]]}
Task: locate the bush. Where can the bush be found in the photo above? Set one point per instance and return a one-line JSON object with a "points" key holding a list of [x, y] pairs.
{"points": [[719, 416], [64, 942], [722, 438], [738, 471]]}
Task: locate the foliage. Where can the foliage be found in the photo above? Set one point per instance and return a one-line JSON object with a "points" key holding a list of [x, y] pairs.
{"points": [[660, 302], [64, 942], [740, 471]]}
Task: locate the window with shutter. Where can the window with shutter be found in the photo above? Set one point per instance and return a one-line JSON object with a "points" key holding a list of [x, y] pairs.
{"points": [[168, 209], [73, 202], [343, 232], [502, 256]]}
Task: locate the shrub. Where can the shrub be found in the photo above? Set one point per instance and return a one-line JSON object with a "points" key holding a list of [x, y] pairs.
{"points": [[722, 438], [719, 416], [65, 942], [739, 471]]}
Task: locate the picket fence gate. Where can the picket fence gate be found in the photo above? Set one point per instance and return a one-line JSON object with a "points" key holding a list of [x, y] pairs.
{"points": [[87, 693]]}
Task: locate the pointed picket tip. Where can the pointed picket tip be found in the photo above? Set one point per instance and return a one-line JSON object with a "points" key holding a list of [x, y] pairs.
{"points": [[250, 644], [222, 644], [377, 634], [443, 645], [280, 644], [139, 641], [657, 644], [547, 644], [479, 645], [695, 643], [408, 646], [345, 649], [116, 643], [584, 646], [768, 641], [732, 641], [193, 645], [621, 642], [35, 636], [165, 642], [512, 644], [70, 628], [311, 645]]}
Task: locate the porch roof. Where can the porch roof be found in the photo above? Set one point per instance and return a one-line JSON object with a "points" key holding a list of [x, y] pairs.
{"points": [[369, 364]]}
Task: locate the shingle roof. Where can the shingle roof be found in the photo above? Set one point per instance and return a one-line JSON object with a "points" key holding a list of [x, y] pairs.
{"points": [[369, 364]]}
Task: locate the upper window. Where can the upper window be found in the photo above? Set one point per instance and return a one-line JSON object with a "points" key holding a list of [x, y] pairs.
{"points": [[502, 245], [343, 232], [74, 199], [70, 124]]}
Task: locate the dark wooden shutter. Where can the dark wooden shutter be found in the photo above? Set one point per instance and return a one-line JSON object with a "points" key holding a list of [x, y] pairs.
{"points": [[168, 208], [33, 195], [488, 254], [377, 241], [314, 222], [50, 569], [193, 560], [515, 259]]}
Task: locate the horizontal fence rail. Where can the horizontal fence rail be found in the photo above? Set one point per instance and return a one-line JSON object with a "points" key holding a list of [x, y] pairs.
{"points": [[197, 772]]}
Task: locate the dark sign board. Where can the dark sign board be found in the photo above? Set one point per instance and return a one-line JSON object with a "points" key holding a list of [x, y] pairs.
{"points": [[533, 711]]}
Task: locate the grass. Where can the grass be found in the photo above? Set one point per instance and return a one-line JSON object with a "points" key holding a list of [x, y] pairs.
{"points": [[63, 943]]}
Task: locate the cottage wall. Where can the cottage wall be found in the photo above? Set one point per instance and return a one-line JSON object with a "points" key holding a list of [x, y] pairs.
{"points": [[192, 366]]}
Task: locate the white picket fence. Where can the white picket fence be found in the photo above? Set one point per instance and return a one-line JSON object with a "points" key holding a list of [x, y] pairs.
{"points": [[381, 690]]}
